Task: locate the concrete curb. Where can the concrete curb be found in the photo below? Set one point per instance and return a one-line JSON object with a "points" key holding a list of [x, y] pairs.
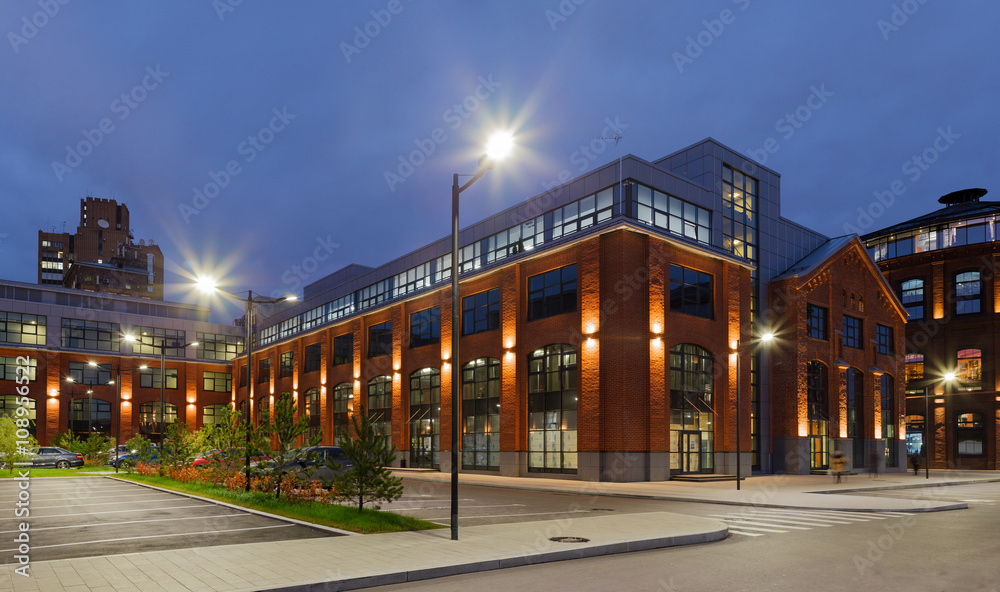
{"points": [[913, 486], [417, 575], [241, 508]]}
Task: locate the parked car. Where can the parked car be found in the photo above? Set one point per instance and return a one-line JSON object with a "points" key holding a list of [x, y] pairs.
{"points": [[131, 457], [51, 456], [312, 464], [238, 456]]}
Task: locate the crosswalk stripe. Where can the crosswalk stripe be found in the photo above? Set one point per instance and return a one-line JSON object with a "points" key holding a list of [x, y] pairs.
{"points": [[817, 517], [796, 520], [740, 521], [858, 516], [743, 526], [731, 531]]}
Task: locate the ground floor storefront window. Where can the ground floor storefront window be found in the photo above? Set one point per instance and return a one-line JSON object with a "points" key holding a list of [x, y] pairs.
{"points": [[552, 405], [692, 415]]}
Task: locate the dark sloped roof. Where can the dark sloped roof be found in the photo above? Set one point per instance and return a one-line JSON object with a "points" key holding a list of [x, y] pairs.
{"points": [[815, 258], [961, 205]]}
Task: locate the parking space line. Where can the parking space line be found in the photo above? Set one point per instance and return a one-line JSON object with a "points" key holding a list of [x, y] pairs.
{"points": [[156, 536], [34, 517], [84, 505], [509, 515], [36, 529], [35, 497]]}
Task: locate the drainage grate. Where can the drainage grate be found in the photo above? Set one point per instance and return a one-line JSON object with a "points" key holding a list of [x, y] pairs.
{"points": [[569, 539]]}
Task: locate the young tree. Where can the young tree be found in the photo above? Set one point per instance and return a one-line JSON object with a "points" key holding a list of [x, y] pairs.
{"points": [[287, 432], [12, 452], [142, 452], [179, 445], [228, 436], [369, 480], [94, 449], [67, 440]]}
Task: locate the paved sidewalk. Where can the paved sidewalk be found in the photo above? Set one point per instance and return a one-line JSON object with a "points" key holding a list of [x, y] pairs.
{"points": [[360, 561]]}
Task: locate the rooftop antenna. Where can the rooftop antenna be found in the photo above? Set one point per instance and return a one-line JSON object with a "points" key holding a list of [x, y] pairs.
{"points": [[617, 138]]}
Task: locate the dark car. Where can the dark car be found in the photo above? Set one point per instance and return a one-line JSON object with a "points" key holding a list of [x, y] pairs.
{"points": [[216, 456], [50, 456], [312, 464], [132, 457]]}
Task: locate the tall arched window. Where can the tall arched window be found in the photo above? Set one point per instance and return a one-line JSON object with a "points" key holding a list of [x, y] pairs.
{"points": [[888, 396], [380, 405], [692, 411], [481, 414], [552, 409], [855, 389], [342, 394], [312, 409], [911, 294], [149, 417], [817, 401], [968, 292], [425, 410]]}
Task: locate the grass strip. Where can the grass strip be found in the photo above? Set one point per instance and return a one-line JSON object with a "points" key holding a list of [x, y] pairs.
{"points": [[335, 515]]}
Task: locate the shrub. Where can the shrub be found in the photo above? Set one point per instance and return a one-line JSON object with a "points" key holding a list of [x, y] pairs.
{"points": [[147, 470], [235, 482]]}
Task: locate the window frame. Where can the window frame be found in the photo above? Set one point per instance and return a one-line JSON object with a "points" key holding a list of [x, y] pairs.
{"points": [[817, 325], [970, 300], [481, 312], [425, 327], [340, 344], [853, 335], [553, 293], [691, 298], [914, 304], [380, 339]]}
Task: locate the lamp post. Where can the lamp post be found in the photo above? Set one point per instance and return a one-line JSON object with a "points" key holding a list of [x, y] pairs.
{"points": [[162, 346], [764, 338], [208, 286], [497, 148]]}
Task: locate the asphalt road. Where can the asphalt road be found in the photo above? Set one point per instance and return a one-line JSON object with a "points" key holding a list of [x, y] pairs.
{"points": [[779, 550], [93, 516]]}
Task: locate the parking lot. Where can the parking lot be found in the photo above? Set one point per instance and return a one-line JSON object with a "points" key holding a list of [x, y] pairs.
{"points": [[90, 516]]}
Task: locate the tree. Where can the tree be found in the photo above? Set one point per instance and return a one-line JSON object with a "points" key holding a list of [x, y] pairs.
{"points": [[287, 432], [13, 449], [94, 449], [228, 436], [369, 480], [180, 444], [67, 440], [141, 452]]}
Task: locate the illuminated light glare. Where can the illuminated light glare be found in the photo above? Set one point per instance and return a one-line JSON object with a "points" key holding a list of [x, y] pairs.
{"points": [[657, 328], [950, 376], [499, 145], [939, 401], [767, 337], [206, 284]]}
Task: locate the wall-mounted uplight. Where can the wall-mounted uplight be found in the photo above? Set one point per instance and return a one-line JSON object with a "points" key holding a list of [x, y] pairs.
{"points": [[938, 401]]}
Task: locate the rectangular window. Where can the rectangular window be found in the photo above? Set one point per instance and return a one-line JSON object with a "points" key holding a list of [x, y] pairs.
{"points": [[853, 331], [672, 214], [212, 346], [9, 366], [911, 294], [217, 382], [313, 358], [968, 292], [343, 349], [583, 213], [149, 340], [264, 370], [380, 339], [886, 340], [481, 312], [690, 292], [552, 293], [22, 328], [81, 334], [970, 365], [150, 378], [286, 364], [914, 367], [85, 374], [816, 321], [425, 327]]}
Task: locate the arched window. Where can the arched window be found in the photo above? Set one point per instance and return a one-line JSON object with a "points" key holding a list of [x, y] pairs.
{"points": [[150, 420], [212, 414], [425, 410], [970, 434], [9, 405], [968, 292], [817, 401], [855, 388], [911, 294], [692, 411], [380, 405], [552, 409], [312, 409], [888, 396], [481, 414], [342, 395], [970, 365]]}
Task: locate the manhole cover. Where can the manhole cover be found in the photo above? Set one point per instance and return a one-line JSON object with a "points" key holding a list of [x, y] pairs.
{"points": [[569, 540]]}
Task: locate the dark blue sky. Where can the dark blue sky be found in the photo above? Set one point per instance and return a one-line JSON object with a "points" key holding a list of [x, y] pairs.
{"points": [[310, 104]]}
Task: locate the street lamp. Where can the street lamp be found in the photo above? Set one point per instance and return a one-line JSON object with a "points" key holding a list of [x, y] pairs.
{"points": [[208, 286], [764, 338], [162, 346], [497, 148]]}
